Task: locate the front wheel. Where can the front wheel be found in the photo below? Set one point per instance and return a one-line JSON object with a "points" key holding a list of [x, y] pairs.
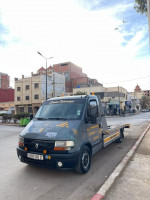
{"points": [[84, 161]]}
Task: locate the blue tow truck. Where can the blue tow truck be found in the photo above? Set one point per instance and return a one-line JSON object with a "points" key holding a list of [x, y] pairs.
{"points": [[66, 132]]}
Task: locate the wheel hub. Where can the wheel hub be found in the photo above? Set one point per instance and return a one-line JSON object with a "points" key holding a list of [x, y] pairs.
{"points": [[85, 160]]}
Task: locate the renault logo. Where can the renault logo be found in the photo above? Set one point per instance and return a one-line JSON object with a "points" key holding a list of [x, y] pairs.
{"points": [[36, 145]]}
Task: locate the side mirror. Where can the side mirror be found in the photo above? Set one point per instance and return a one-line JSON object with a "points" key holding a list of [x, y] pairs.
{"points": [[93, 114]]}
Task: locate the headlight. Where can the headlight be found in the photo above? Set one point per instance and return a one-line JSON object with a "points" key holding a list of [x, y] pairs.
{"points": [[21, 141], [63, 145]]}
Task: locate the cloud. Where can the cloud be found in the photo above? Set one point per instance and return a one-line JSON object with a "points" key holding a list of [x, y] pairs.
{"points": [[82, 32], [3, 33], [103, 4]]}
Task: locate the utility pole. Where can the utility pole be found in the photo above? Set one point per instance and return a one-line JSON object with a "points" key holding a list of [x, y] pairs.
{"points": [[119, 100], [134, 99], [53, 84], [46, 71], [148, 15]]}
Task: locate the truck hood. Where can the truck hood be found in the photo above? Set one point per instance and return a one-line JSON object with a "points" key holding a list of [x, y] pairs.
{"points": [[50, 129]]}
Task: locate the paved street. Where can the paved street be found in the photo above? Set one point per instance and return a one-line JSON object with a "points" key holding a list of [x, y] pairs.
{"points": [[21, 181]]}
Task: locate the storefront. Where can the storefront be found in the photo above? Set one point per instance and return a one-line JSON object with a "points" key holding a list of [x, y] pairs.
{"points": [[113, 108]]}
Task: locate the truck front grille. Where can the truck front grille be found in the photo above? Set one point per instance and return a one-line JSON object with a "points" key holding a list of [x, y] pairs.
{"points": [[39, 145]]}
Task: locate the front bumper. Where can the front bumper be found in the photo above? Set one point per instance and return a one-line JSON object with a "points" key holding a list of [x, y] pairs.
{"points": [[68, 160]]}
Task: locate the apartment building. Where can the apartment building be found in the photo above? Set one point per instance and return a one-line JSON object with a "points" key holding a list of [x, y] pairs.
{"points": [[4, 81], [6, 93], [112, 96], [139, 93], [74, 77], [30, 92], [6, 99], [115, 95]]}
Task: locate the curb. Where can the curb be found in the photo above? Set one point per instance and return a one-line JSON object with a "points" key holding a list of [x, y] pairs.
{"points": [[116, 173], [9, 124]]}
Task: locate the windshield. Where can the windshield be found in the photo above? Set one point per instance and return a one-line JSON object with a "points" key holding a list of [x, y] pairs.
{"points": [[61, 109]]}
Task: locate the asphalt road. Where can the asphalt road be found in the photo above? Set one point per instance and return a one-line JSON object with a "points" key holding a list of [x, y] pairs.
{"points": [[21, 181]]}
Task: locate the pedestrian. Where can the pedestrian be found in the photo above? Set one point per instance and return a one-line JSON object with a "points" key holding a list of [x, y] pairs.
{"points": [[115, 111], [122, 113], [31, 116], [124, 109], [119, 111]]}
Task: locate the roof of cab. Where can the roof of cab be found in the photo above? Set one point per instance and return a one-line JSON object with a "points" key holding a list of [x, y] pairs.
{"points": [[73, 97]]}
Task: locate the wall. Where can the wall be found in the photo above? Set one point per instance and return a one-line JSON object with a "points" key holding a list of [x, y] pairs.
{"points": [[107, 94], [139, 95], [7, 105], [59, 83], [62, 67], [71, 72], [31, 81], [58, 87], [116, 89], [24, 104], [89, 90], [76, 72], [6, 95], [4, 81]]}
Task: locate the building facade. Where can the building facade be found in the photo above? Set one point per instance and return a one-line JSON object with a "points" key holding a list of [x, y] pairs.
{"points": [[6, 99], [112, 97], [139, 93], [31, 92], [4, 81], [7, 106], [146, 93], [74, 77]]}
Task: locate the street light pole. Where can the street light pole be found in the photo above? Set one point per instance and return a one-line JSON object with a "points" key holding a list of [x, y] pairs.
{"points": [[53, 84], [46, 79], [119, 100], [46, 70], [148, 16]]}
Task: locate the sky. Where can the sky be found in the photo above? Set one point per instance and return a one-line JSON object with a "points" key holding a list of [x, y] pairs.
{"points": [[108, 39]]}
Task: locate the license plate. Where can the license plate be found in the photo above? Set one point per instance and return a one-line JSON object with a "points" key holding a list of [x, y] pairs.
{"points": [[35, 156]]}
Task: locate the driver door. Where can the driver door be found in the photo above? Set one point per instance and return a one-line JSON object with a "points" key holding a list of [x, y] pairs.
{"points": [[93, 125]]}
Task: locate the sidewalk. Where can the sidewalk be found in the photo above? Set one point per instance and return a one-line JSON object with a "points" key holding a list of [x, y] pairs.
{"points": [[134, 181], [9, 124]]}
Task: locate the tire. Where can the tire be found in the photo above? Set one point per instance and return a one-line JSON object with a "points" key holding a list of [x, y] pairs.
{"points": [[121, 136], [118, 140], [84, 161], [122, 132]]}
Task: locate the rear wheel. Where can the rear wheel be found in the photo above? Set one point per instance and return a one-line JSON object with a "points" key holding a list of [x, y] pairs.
{"points": [[84, 161], [121, 136]]}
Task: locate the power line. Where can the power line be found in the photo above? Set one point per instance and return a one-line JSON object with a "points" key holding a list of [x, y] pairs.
{"points": [[116, 82], [129, 80], [103, 83], [145, 84]]}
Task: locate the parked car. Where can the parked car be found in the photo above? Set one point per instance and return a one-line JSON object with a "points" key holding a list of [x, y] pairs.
{"points": [[145, 110]]}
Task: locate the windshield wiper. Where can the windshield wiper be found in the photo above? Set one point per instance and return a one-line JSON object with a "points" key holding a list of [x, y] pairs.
{"points": [[58, 118], [40, 118]]}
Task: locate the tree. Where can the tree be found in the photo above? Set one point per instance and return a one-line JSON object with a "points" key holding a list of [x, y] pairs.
{"points": [[145, 102], [141, 6]]}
